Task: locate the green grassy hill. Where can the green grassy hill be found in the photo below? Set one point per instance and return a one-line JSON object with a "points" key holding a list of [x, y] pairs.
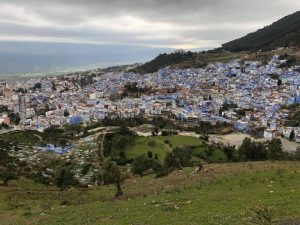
{"points": [[220, 194], [158, 146], [283, 33]]}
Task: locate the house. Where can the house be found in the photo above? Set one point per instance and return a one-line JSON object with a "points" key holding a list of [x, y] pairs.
{"points": [[4, 119], [242, 125], [269, 134]]}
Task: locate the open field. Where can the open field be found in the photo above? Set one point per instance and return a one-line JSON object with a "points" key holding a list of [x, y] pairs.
{"points": [[141, 145], [222, 194], [237, 139]]}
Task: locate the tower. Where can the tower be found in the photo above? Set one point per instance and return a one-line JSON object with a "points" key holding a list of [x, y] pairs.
{"points": [[22, 107]]}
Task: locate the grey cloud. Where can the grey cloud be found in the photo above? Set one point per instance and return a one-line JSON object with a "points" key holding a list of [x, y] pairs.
{"points": [[190, 21]]}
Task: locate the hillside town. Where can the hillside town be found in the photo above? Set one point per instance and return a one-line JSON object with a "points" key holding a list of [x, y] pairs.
{"points": [[248, 95]]}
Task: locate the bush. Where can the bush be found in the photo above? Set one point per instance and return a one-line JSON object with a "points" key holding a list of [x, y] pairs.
{"points": [[150, 154], [152, 143]]}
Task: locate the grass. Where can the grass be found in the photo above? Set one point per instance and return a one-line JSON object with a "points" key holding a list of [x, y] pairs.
{"points": [[217, 155], [181, 141], [141, 145], [222, 194]]}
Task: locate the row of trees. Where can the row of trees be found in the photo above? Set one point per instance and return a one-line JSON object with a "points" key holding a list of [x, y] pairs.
{"points": [[109, 173], [258, 151]]}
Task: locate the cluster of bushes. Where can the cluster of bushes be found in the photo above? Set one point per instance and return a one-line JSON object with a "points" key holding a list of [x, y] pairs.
{"points": [[62, 135], [7, 173], [259, 151], [168, 132], [115, 144], [177, 159]]}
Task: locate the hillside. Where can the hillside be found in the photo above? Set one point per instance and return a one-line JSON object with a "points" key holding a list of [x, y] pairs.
{"points": [[283, 33], [185, 60], [236, 193]]}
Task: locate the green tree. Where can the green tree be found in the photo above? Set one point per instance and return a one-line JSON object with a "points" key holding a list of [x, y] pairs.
{"points": [[53, 86], [292, 135], [124, 130], [275, 149], [66, 113], [252, 151], [150, 154], [37, 86], [139, 165], [111, 174], [65, 177], [155, 131], [279, 82], [170, 161], [142, 164], [8, 173], [183, 156], [244, 150]]}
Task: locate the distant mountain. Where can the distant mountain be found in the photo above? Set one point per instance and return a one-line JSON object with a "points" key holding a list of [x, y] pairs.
{"points": [[283, 33]]}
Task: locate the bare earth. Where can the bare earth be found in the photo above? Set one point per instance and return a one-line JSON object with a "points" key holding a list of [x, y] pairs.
{"points": [[237, 139]]}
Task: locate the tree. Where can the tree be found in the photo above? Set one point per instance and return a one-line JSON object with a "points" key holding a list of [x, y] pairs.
{"points": [[244, 150], [124, 130], [150, 154], [139, 165], [111, 174], [66, 113], [292, 135], [231, 153], [183, 156], [14, 118], [142, 164], [8, 173], [279, 82], [37, 86], [155, 131], [170, 161], [65, 177], [259, 152], [252, 151], [275, 149], [53, 86]]}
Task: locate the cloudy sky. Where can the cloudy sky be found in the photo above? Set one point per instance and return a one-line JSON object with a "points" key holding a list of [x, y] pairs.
{"points": [[149, 23]]}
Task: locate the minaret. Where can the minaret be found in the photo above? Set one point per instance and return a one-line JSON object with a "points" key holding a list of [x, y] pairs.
{"points": [[22, 107]]}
